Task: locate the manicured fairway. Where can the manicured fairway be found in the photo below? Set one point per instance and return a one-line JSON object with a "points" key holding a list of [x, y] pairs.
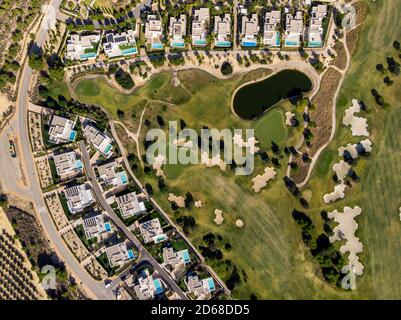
{"points": [[271, 128], [268, 251]]}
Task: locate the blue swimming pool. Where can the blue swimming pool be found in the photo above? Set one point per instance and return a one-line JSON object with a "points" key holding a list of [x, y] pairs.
{"points": [[200, 42], [73, 135], [87, 55], [315, 44], [160, 238], [107, 226], [158, 286], [129, 51], [131, 254], [123, 177], [291, 43], [223, 44], [107, 149], [278, 36], [249, 43], [185, 256], [210, 283], [178, 44], [157, 46], [78, 164]]}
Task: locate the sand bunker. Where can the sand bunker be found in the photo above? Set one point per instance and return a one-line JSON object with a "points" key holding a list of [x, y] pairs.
{"points": [[183, 144], [198, 204], [346, 230], [216, 161], [341, 169], [251, 143], [288, 118], [353, 148], [219, 217], [239, 223], [359, 125], [260, 181], [338, 193], [157, 165], [180, 201]]}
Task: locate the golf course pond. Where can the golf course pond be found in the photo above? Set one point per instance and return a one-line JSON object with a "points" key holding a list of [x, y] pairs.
{"points": [[254, 99]]}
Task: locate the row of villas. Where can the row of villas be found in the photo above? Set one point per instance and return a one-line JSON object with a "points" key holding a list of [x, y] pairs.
{"points": [[96, 224], [84, 47]]}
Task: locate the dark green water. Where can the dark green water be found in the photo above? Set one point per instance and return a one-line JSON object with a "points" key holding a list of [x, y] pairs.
{"points": [[252, 100]]}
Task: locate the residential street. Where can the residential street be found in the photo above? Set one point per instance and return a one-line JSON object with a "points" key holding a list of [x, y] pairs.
{"points": [[144, 254]]}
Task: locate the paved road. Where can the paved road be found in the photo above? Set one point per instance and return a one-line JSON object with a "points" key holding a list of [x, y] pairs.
{"points": [[144, 254], [19, 125], [160, 209]]}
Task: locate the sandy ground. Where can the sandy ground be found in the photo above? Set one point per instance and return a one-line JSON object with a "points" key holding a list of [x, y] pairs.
{"points": [[288, 117], [198, 204], [341, 169], [338, 193], [250, 143], [211, 162], [260, 181], [180, 201], [6, 225], [359, 125], [346, 229], [157, 165], [351, 148], [4, 103], [218, 217], [239, 223]]}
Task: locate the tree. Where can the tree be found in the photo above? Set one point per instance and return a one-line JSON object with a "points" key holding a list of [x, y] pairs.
{"points": [[120, 113], [189, 200], [149, 189], [396, 45], [226, 68], [291, 186], [36, 62], [275, 148]]}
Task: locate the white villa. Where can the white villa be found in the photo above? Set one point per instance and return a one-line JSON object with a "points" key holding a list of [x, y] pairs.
{"points": [[95, 225], [120, 44], [315, 31], [100, 141], [249, 31], [109, 176], [118, 254], [271, 34], [222, 31], [178, 30], [147, 286], [67, 163], [294, 26], [200, 26], [152, 231], [61, 130], [79, 197], [129, 205], [175, 261], [201, 289], [154, 32], [82, 47]]}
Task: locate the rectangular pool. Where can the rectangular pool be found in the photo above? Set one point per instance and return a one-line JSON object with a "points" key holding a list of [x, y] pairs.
{"points": [[73, 135], [249, 43]]}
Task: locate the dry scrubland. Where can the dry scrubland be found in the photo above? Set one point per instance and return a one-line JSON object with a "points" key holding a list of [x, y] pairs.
{"points": [[269, 247]]}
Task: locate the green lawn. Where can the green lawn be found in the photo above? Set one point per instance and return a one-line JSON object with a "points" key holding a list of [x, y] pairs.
{"points": [[271, 128], [269, 249]]}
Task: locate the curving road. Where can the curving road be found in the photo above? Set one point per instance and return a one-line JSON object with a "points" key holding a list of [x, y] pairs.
{"points": [[144, 254], [32, 191]]}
